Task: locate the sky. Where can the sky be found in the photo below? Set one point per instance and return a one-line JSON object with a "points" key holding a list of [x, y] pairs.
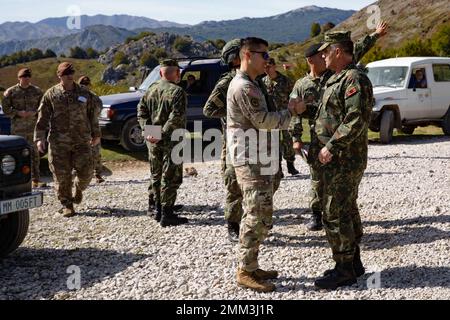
{"points": [[181, 11]]}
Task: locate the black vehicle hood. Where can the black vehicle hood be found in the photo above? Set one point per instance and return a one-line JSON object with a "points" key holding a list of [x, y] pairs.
{"points": [[115, 99], [12, 142]]}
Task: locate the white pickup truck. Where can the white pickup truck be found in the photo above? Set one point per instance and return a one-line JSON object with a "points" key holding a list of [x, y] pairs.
{"points": [[410, 92]]}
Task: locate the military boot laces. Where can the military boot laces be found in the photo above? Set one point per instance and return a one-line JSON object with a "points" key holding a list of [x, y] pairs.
{"points": [[78, 196], [357, 265], [342, 275], [291, 169], [249, 280], [168, 218], [265, 275], [233, 231], [315, 223]]}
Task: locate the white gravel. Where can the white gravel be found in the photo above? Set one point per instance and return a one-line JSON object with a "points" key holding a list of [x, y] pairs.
{"points": [[123, 254]]}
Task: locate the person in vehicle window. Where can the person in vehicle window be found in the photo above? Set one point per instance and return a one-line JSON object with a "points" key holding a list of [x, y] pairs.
{"points": [[418, 80]]}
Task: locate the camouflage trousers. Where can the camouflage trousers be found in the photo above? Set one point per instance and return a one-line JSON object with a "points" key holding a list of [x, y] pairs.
{"points": [[341, 218], [35, 157], [97, 158], [166, 177], [256, 221], [316, 190], [63, 159], [287, 146]]}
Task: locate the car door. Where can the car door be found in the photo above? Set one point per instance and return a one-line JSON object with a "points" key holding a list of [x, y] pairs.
{"points": [[419, 99], [440, 89]]}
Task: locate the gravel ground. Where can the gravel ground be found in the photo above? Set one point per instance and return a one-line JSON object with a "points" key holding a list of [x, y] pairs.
{"points": [[123, 254]]}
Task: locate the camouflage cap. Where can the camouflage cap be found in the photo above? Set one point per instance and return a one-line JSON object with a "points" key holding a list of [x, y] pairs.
{"points": [[230, 51], [25, 72], [65, 68], [313, 50], [84, 81], [333, 37], [169, 63]]}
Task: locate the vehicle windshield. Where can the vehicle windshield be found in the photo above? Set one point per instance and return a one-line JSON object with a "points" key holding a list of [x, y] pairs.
{"points": [[152, 77], [388, 76]]}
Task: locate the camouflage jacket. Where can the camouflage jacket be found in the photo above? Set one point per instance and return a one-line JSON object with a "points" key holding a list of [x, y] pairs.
{"points": [[247, 109], [310, 89], [163, 104], [279, 89], [71, 116], [344, 114], [18, 99]]}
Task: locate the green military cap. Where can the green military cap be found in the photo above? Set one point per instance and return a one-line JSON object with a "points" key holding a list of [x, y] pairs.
{"points": [[231, 50], [333, 37], [169, 63]]}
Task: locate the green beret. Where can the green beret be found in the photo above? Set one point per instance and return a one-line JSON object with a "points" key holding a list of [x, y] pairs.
{"points": [[169, 63], [333, 37], [25, 72]]}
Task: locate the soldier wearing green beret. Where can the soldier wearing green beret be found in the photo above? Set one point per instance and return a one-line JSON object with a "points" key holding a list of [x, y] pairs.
{"points": [[340, 144], [310, 89], [164, 104]]}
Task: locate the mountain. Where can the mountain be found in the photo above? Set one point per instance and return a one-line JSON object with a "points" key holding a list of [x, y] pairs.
{"points": [[292, 26], [99, 38], [57, 27]]}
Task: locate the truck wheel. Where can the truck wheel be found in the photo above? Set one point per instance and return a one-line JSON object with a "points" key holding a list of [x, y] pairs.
{"points": [[408, 130], [446, 124], [131, 136], [386, 126], [13, 230]]}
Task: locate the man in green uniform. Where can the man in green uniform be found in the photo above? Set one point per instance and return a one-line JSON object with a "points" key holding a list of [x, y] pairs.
{"points": [[341, 143], [164, 105], [68, 110], [20, 103]]}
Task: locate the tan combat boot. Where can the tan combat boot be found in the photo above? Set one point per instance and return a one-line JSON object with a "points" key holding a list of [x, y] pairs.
{"points": [[265, 275], [68, 211], [249, 280], [78, 196], [37, 184]]}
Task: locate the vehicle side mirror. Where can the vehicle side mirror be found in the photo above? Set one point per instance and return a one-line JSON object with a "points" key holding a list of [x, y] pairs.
{"points": [[132, 89]]}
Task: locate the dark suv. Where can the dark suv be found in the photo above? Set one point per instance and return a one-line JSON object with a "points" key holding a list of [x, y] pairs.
{"points": [[5, 123], [118, 119], [16, 197]]}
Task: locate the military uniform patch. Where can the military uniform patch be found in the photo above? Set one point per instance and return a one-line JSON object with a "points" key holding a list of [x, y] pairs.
{"points": [[351, 92]]}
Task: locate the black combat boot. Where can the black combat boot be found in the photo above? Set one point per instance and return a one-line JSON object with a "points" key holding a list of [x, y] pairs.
{"points": [[315, 223], [233, 231], [170, 219], [291, 168], [342, 275], [177, 207], [357, 264], [151, 206], [158, 212]]}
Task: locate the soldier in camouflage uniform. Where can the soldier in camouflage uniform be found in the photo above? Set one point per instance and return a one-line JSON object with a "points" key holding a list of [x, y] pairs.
{"points": [[164, 104], [85, 81], [216, 107], [279, 88], [247, 113], [68, 110], [21, 103], [310, 89], [341, 143]]}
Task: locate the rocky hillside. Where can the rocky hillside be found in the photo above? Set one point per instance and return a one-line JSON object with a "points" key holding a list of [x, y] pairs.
{"points": [[292, 26], [126, 61]]}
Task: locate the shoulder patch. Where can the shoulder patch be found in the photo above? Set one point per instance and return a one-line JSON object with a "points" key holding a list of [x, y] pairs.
{"points": [[350, 92]]}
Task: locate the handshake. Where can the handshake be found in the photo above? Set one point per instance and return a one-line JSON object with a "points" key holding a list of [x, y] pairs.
{"points": [[296, 106]]}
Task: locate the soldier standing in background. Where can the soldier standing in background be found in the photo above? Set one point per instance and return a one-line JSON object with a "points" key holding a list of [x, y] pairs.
{"points": [[164, 104], [341, 134], [85, 81], [216, 107], [279, 88], [247, 111], [20, 103], [68, 111], [310, 89]]}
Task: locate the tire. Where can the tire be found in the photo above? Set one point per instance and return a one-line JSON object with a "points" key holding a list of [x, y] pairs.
{"points": [[446, 123], [131, 136], [408, 130], [386, 126], [13, 230]]}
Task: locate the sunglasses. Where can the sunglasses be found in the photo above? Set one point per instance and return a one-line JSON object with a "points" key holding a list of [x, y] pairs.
{"points": [[265, 55]]}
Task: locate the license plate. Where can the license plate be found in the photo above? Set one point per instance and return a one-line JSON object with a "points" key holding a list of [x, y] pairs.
{"points": [[22, 203]]}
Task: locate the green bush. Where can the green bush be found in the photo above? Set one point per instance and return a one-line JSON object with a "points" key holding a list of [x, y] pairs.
{"points": [[139, 36], [120, 58], [441, 40], [315, 29], [148, 60], [182, 44], [160, 53]]}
